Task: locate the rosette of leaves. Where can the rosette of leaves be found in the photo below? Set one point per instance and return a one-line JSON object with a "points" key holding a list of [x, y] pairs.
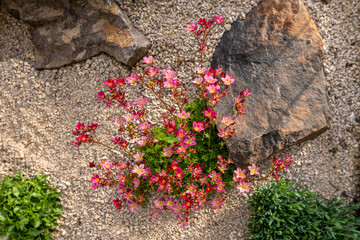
{"points": [[281, 210], [29, 208]]}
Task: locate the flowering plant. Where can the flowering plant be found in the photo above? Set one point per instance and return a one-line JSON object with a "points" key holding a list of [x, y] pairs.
{"points": [[182, 165]]}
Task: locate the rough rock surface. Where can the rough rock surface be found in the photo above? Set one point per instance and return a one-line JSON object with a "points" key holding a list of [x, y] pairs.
{"points": [[71, 31], [277, 53]]}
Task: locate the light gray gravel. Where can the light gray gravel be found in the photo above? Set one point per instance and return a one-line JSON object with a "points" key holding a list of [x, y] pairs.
{"points": [[38, 109]]}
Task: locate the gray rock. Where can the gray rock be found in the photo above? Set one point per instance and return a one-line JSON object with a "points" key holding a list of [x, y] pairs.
{"points": [[70, 31], [277, 53]]}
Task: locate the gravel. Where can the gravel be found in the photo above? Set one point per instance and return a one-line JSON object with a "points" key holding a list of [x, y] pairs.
{"points": [[39, 108]]}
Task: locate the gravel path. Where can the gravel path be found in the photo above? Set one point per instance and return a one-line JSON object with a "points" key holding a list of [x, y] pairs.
{"points": [[38, 109]]}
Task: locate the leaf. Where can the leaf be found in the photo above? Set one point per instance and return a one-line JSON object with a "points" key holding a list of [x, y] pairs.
{"points": [[2, 216], [15, 191], [36, 222]]}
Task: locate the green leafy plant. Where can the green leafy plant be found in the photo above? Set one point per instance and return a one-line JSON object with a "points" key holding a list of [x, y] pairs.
{"points": [[204, 154], [281, 210], [29, 208]]}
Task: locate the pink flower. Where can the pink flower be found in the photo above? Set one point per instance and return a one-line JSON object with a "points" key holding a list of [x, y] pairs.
{"points": [[107, 164], [110, 83], [128, 117], [183, 221], [169, 203], [95, 181], [183, 114], [203, 180], [243, 187], [153, 71], [182, 148], [224, 133], [177, 208], [213, 88], [142, 101], [254, 170], [170, 83], [138, 169], [210, 114], [220, 187], [202, 21], [222, 168], [210, 79], [168, 152], [200, 70], [203, 46], [83, 137], [136, 182], [228, 80], [191, 27], [144, 126], [247, 93], [138, 156], [132, 206], [132, 79], [216, 203], [143, 141], [191, 189], [121, 82], [148, 60], [198, 126], [179, 174], [169, 74], [197, 81], [159, 203], [241, 110], [122, 177], [227, 121], [128, 105], [239, 174], [190, 141], [219, 19], [118, 121], [214, 176], [121, 165], [117, 202], [101, 95], [155, 212], [181, 133]]}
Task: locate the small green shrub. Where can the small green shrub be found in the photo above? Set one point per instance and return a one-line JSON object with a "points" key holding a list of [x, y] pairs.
{"points": [[29, 208], [282, 211]]}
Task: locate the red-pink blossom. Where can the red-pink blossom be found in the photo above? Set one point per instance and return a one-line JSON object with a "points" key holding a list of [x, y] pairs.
{"points": [[132, 79], [144, 126], [254, 170], [191, 27], [142, 101], [216, 203], [198, 126], [183, 114], [243, 186], [148, 60]]}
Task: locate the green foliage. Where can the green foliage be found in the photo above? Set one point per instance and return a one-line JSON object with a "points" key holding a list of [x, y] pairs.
{"points": [[206, 154], [29, 208], [282, 211]]}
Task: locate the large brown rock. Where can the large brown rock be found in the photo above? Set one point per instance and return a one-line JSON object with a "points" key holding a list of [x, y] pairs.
{"points": [[66, 31], [277, 53]]}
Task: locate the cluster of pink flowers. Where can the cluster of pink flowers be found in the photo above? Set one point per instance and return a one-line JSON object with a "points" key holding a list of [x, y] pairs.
{"points": [[187, 186]]}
